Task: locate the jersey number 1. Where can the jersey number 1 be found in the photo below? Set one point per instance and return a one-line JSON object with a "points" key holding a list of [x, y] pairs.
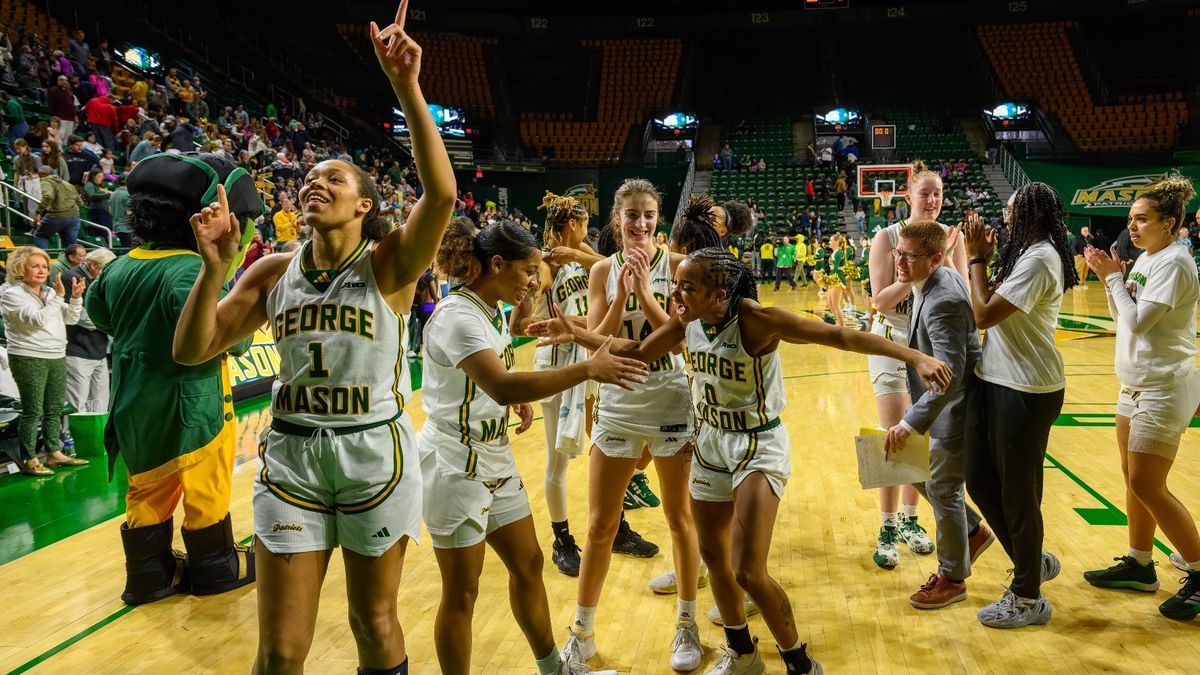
{"points": [[316, 360]]}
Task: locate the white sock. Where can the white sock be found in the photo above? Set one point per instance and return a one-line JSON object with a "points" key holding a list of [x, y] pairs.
{"points": [[686, 610], [585, 620], [890, 519], [550, 665], [1142, 558], [1193, 566], [639, 472], [909, 511]]}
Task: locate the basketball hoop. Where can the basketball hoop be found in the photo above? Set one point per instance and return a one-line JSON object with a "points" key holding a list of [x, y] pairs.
{"points": [[885, 198]]}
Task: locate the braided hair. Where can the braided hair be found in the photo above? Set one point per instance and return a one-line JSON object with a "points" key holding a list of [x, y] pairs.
{"points": [[1037, 213], [722, 270], [559, 211], [695, 230]]}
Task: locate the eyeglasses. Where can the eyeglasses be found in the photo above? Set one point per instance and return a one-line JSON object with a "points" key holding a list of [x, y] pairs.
{"points": [[910, 258]]}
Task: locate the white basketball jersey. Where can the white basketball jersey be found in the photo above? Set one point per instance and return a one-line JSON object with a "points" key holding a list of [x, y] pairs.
{"points": [[462, 325], [663, 403], [341, 350], [569, 294], [898, 317], [733, 390]]}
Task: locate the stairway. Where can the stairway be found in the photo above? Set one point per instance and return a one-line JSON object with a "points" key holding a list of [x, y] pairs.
{"points": [[708, 142], [998, 182], [802, 137], [701, 179]]}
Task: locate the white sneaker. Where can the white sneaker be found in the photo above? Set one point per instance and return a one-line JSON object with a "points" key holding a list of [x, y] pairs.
{"points": [[1177, 561], [887, 552], [685, 648], [714, 614], [665, 584], [732, 663], [915, 536], [570, 667], [579, 648]]}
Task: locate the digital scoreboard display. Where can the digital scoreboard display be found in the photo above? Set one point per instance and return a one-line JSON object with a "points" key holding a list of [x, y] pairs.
{"points": [[883, 137], [449, 121]]}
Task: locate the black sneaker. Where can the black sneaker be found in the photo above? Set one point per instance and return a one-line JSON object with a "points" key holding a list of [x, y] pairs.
{"points": [[1186, 603], [631, 543], [566, 555], [1127, 573]]}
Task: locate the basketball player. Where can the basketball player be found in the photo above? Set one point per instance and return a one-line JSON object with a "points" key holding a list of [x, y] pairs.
{"points": [[893, 300], [562, 281], [627, 297], [473, 493], [339, 465], [1160, 388], [741, 459]]}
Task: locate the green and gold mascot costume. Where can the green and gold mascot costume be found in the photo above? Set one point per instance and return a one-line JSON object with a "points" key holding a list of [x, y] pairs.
{"points": [[172, 424]]}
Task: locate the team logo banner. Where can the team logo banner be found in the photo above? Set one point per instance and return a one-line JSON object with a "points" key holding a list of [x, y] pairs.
{"points": [[1104, 190], [1117, 193]]}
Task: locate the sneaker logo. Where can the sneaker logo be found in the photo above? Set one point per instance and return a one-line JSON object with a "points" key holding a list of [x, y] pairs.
{"points": [[287, 527], [701, 481], [382, 534]]}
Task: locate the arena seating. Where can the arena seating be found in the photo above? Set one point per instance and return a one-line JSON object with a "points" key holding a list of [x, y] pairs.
{"points": [[770, 139], [637, 79], [779, 189], [26, 17], [1035, 61]]}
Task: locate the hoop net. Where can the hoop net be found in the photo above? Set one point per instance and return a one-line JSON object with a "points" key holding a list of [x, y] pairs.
{"points": [[885, 197]]}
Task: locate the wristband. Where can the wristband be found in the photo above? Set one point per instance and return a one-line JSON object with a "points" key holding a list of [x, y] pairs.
{"points": [[976, 261]]}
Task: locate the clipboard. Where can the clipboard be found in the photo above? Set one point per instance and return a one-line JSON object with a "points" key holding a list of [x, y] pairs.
{"points": [[879, 468]]}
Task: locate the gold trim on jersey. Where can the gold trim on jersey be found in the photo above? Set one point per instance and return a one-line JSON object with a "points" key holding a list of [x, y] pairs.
{"points": [[398, 372], [658, 254], [497, 320], [390, 487], [464, 427], [751, 451], [704, 463], [760, 389]]}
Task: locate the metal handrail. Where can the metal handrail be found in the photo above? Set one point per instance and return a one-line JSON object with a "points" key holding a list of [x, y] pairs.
{"points": [[6, 204], [1012, 169]]}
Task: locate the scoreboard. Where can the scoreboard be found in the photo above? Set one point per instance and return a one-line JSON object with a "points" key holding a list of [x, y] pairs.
{"points": [[883, 137]]}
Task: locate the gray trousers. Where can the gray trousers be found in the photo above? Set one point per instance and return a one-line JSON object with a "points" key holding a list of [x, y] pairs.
{"points": [[87, 386], [945, 493]]}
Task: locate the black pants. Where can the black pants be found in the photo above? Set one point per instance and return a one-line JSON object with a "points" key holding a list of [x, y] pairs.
{"points": [[1006, 438], [782, 273], [768, 268]]}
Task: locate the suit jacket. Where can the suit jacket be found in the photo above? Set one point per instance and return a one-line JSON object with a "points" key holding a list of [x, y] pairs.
{"points": [[943, 327]]}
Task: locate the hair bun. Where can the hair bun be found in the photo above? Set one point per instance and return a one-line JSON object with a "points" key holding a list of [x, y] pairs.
{"points": [[699, 209], [919, 165]]}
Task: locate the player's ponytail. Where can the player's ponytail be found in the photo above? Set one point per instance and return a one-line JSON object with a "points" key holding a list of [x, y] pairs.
{"points": [[722, 270], [1170, 196], [464, 252]]}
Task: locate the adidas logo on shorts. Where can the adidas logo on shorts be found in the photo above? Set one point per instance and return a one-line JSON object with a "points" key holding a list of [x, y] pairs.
{"points": [[382, 534], [287, 527]]}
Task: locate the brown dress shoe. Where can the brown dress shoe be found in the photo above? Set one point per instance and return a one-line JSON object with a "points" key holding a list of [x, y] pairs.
{"points": [[938, 592], [979, 542]]}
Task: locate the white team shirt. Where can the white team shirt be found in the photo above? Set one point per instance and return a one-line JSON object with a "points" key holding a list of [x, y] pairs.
{"points": [[1019, 352], [569, 294], [663, 404], [341, 353], [462, 325], [732, 390], [1164, 355]]}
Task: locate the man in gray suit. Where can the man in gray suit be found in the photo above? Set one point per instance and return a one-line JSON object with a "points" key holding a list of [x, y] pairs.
{"points": [[942, 326]]}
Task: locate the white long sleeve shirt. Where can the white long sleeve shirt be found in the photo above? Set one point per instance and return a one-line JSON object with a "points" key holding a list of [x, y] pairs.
{"points": [[37, 327]]}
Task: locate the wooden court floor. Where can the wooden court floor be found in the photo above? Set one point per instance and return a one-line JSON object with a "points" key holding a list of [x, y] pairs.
{"points": [[62, 612]]}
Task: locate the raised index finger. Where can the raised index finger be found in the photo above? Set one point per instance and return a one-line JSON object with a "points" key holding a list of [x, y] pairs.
{"points": [[401, 14], [223, 200]]}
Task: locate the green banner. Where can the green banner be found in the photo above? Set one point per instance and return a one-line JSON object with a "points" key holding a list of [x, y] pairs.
{"points": [[1103, 191]]}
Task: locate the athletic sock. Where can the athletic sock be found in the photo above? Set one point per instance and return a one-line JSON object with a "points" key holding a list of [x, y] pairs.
{"points": [[585, 620], [560, 530], [1142, 558], [909, 510], [549, 665], [738, 639], [639, 472], [795, 659], [1193, 566], [890, 519], [686, 610]]}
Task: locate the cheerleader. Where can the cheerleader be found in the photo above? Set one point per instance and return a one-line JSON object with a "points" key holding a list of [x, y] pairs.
{"points": [[1155, 313], [741, 460]]}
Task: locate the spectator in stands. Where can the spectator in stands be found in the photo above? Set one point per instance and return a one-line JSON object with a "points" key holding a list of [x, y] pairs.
{"points": [[118, 206], [726, 157], [84, 91], [826, 156], [257, 249], [286, 222], [139, 89], [25, 171], [79, 161], [87, 348], [902, 209], [150, 144], [90, 144], [97, 197], [104, 59], [1078, 245], [198, 108], [102, 117], [810, 191], [53, 158], [14, 118], [766, 255], [58, 212], [71, 257], [960, 169], [241, 115], [945, 171], [35, 320], [1125, 251], [785, 257], [79, 51], [61, 65], [1185, 239], [183, 136], [840, 189], [158, 98]]}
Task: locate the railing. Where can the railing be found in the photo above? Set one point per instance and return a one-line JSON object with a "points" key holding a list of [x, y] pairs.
{"points": [[1012, 169], [8, 191], [686, 190]]}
